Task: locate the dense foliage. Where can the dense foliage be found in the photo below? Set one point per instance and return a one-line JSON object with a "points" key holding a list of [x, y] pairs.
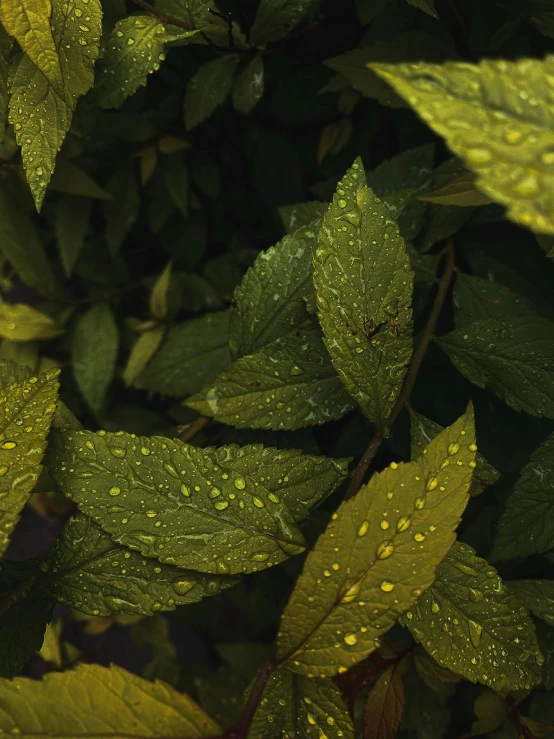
{"points": [[277, 369]]}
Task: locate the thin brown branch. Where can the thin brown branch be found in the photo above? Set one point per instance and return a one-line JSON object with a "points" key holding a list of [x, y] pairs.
{"points": [[190, 431], [411, 376], [18, 594], [523, 731]]}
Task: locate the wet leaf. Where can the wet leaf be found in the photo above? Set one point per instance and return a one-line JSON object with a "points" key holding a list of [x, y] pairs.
{"points": [[94, 352], [107, 701], [26, 410], [142, 352], [538, 596], [492, 115], [476, 299], [133, 50], [293, 705], [364, 287], [512, 356], [88, 571], [208, 89], [472, 624], [248, 88], [300, 215], [169, 501], [5, 48], [383, 562], [384, 706], [275, 19], [21, 322]]}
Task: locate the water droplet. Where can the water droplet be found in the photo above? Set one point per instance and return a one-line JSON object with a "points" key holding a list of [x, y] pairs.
{"points": [[384, 525], [240, 483], [475, 595], [387, 587], [118, 452], [475, 631], [453, 448], [90, 445], [182, 587], [432, 484], [114, 491], [351, 639], [351, 593], [185, 490], [130, 41], [384, 550], [403, 524], [261, 557], [9, 445], [362, 531], [145, 451], [221, 505], [258, 502], [342, 203], [3, 470], [151, 513], [419, 537]]}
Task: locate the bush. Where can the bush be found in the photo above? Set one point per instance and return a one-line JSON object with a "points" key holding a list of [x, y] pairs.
{"points": [[264, 267]]}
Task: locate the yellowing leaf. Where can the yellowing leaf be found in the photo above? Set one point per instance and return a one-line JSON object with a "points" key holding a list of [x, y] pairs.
{"points": [[134, 50], [21, 322], [363, 287], [142, 352], [158, 296], [494, 115], [102, 701], [384, 706], [26, 410], [377, 556], [51, 646], [29, 22], [40, 111], [470, 623], [208, 89]]}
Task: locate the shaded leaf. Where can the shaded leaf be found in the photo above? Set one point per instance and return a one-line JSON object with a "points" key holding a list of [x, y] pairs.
{"points": [[506, 137], [300, 215], [133, 50], [88, 571], [490, 710], [22, 322], [472, 624], [538, 596], [428, 6], [275, 19], [153, 633], [142, 352], [249, 528], [121, 214], [26, 410], [158, 295], [384, 706], [5, 48], [459, 192], [72, 216], [107, 701], [514, 357], [363, 287], [292, 705], [432, 674], [384, 561], [248, 88], [177, 182], [68, 177], [208, 89], [476, 298], [94, 352]]}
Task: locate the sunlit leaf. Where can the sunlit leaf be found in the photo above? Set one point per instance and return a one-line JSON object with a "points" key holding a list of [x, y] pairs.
{"points": [[22, 322], [390, 538]]}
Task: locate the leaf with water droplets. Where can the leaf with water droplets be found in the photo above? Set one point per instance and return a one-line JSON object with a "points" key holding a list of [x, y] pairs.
{"points": [[21, 322], [538, 596], [300, 215], [423, 430], [170, 501], [99, 701], [209, 88], [88, 571], [527, 524], [94, 353], [377, 555], [249, 86], [5, 48], [494, 116], [191, 354], [134, 50], [26, 410], [40, 110], [470, 622], [297, 706], [384, 706], [512, 356], [476, 298], [275, 19], [364, 288]]}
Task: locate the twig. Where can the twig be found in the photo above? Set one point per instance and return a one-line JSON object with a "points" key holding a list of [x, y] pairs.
{"points": [[410, 379], [193, 428], [523, 731]]}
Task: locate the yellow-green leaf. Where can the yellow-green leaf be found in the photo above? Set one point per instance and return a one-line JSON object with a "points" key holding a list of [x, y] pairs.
{"points": [[384, 706], [377, 556], [460, 192], [40, 111], [496, 116], [26, 410], [134, 50], [142, 352], [364, 287], [100, 701], [22, 322], [158, 296]]}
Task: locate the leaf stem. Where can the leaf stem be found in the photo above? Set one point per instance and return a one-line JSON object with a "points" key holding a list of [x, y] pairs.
{"points": [[18, 594], [522, 729], [191, 429], [411, 375], [240, 731]]}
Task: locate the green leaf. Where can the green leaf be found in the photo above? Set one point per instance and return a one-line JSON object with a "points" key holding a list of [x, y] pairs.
{"points": [[176, 179], [22, 626], [88, 571], [21, 322], [300, 215], [384, 706], [428, 6], [423, 430], [192, 353], [390, 537], [490, 710], [470, 622], [41, 111], [29, 22], [514, 357], [94, 352], [459, 192], [208, 88], [142, 352], [154, 633], [527, 524], [287, 384], [200, 15], [5, 48], [364, 287], [72, 216], [133, 50], [173, 503], [476, 298], [292, 705], [538, 596], [26, 410], [106, 701], [506, 137], [301, 481], [249, 86], [122, 213], [158, 295], [275, 19]]}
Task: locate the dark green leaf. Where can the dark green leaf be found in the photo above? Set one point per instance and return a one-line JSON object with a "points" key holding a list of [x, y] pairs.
{"points": [[249, 86], [476, 299], [276, 18], [538, 596], [72, 222], [208, 89]]}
